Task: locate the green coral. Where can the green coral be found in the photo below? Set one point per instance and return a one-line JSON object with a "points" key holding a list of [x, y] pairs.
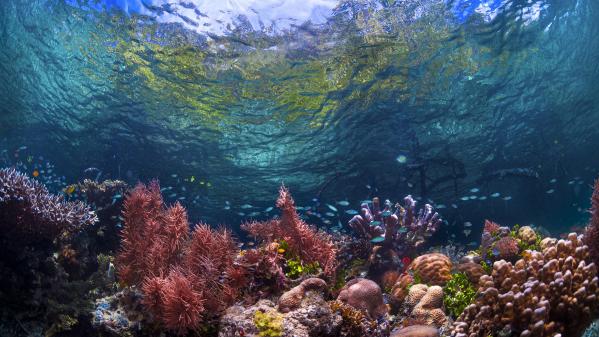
{"points": [[269, 324], [459, 292]]}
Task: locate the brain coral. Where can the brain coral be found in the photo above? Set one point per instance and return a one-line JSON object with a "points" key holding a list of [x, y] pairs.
{"points": [[553, 293], [426, 305], [364, 295], [433, 268]]}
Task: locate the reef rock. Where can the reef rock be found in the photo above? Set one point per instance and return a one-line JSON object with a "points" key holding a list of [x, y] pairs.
{"points": [[416, 331], [292, 299], [364, 295], [306, 314], [400, 289], [433, 268]]}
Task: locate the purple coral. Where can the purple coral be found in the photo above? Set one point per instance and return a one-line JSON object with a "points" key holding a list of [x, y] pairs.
{"points": [[28, 211], [401, 228]]}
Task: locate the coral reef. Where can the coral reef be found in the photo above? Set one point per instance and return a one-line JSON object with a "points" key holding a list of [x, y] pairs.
{"points": [[548, 293], [395, 231], [29, 212], [47, 274], [424, 305], [307, 243], [364, 295], [432, 269], [356, 323]]}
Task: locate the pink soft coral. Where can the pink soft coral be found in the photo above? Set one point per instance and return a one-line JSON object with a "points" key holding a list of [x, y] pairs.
{"points": [[308, 243]]}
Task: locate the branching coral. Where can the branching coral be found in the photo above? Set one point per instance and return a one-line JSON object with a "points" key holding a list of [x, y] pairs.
{"points": [[186, 277], [553, 293], [396, 231], [29, 212], [310, 245]]}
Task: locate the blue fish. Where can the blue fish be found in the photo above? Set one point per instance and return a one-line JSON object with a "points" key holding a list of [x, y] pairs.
{"points": [[351, 212]]}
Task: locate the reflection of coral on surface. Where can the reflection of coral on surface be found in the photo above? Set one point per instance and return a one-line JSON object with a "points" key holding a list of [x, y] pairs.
{"points": [[30, 212], [183, 277], [309, 244]]}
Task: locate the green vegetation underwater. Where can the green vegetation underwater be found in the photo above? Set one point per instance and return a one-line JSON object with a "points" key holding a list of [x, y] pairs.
{"points": [[318, 168]]}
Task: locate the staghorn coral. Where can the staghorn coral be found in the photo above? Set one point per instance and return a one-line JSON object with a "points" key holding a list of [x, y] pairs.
{"points": [[424, 305], [186, 278], [396, 231], [432, 269], [548, 293], [364, 295], [311, 245], [28, 212]]}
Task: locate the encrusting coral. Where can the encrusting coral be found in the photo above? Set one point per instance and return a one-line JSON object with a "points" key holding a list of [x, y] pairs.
{"points": [[310, 245]]}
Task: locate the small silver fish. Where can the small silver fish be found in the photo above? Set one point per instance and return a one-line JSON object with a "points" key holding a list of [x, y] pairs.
{"points": [[332, 208], [474, 190], [343, 203], [507, 198], [495, 195], [246, 206], [550, 191]]}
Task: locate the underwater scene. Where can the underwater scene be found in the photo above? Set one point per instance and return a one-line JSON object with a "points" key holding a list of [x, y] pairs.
{"points": [[266, 168]]}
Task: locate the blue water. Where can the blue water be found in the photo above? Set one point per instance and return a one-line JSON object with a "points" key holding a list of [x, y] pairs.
{"points": [[339, 100]]}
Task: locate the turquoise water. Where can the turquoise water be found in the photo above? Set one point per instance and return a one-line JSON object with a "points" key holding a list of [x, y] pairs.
{"points": [[338, 100]]}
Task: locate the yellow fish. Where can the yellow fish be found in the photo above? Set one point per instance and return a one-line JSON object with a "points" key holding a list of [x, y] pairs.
{"points": [[192, 179], [69, 189]]}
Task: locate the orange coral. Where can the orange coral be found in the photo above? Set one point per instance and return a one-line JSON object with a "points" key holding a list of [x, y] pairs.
{"points": [[433, 268]]}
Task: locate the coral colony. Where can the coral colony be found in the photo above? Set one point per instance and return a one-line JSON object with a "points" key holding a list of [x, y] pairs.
{"points": [[168, 278]]}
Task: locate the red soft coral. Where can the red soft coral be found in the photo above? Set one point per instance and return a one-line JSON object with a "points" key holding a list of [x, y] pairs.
{"points": [[183, 303], [183, 277], [308, 243]]}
